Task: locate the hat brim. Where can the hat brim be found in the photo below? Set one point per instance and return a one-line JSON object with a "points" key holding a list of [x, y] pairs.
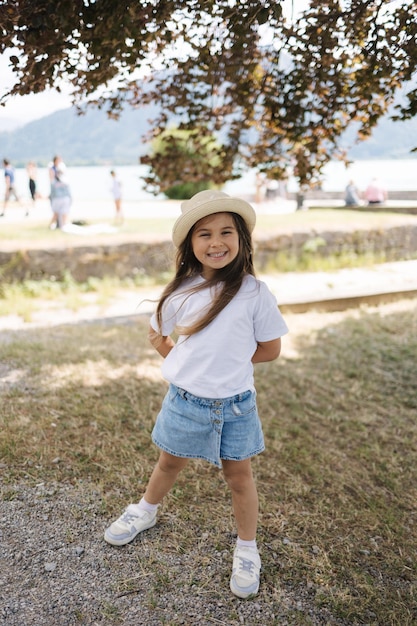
{"points": [[228, 204]]}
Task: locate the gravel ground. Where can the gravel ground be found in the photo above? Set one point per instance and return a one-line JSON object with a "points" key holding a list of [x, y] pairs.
{"points": [[56, 570]]}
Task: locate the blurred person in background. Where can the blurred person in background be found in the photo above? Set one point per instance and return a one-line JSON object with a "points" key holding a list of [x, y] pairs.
{"points": [[10, 189], [31, 170], [61, 198], [375, 192], [116, 190], [351, 194]]}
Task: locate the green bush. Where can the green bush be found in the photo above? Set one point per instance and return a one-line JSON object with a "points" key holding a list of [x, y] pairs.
{"points": [[184, 191], [183, 162]]}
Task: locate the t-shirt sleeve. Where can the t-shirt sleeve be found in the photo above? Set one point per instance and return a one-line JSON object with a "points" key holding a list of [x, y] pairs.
{"points": [[268, 321]]}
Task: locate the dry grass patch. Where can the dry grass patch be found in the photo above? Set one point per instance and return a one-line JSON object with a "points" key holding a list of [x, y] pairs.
{"points": [[342, 446], [337, 482]]}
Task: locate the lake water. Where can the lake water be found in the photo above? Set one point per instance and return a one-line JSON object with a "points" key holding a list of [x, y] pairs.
{"points": [[94, 183]]}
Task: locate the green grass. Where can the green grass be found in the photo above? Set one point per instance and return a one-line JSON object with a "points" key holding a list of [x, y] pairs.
{"points": [[330, 219], [36, 232], [337, 483], [307, 261], [22, 298]]}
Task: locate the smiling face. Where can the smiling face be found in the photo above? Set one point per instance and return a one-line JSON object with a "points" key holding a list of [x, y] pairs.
{"points": [[215, 242]]}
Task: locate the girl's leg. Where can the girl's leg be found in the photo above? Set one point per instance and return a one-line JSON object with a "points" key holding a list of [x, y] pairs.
{"points": [[139, 517], [54, 221], [239, 477], [118, 206], [244, 581], [163, 477]]}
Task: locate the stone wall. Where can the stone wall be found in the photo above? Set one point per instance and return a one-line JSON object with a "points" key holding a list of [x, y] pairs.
{"points": [[130, 259], [395, 244], [122, 260]]}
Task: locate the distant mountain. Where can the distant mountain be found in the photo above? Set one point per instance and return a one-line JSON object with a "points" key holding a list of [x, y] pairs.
{"points": [[89, 139], [389, 140], [94, 139]]}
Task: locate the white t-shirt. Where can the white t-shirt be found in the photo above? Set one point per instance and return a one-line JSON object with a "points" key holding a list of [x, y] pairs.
{"points": [[116, 189], [216, 362]]}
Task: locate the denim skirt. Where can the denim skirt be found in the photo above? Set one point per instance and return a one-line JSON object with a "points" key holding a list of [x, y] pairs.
{"points": [[209, 428]]}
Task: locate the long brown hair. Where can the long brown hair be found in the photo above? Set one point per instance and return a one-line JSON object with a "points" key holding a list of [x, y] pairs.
{"points": [[228, 279]]}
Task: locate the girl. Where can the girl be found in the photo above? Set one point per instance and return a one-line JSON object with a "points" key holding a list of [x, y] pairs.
{"points": [[116, 190], [226, 321]]}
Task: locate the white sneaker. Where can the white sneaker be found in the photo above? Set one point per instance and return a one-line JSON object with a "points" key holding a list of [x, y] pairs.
{"points": [[245, 574], [131, 523]]}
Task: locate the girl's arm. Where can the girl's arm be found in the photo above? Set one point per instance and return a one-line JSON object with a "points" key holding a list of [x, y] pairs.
{"points": [[162, 344], [267, 351]]}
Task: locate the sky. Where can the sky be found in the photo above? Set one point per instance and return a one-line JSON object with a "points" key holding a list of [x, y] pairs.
{"points": [[22, 109]]}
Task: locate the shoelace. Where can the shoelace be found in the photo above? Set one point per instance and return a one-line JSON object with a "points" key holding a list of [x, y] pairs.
{"points": [[246, 566], [128, 517]]}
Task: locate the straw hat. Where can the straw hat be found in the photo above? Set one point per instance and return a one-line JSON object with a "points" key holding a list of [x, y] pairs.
{"points": [[206, 203]]}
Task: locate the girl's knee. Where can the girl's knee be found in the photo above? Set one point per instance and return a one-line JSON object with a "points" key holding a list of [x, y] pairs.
{"points": [[238, 475], [169, 463]]}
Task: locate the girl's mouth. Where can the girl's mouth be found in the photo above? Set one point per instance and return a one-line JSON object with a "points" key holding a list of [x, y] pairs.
{"points": [[217, 255]]}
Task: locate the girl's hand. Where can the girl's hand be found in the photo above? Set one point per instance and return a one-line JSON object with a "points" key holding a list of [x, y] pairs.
{"points": [[267, 351], [163, 345]]}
